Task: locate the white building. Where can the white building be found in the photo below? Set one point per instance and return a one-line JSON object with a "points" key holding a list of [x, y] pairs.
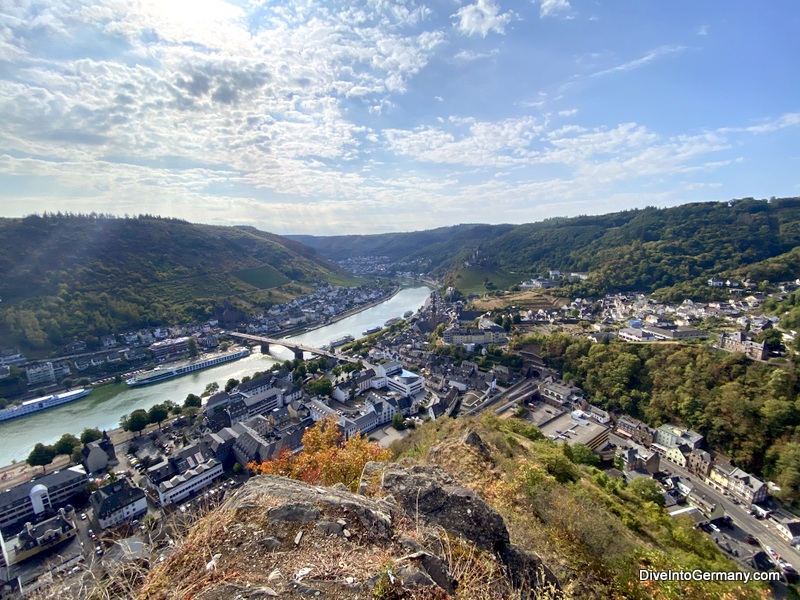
{"points": [[42, 374], [406, 383], [118, 502], [180, 486]]}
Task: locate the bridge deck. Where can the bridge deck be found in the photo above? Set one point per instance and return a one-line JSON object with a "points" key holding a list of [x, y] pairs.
{"points": [[293, 346]]}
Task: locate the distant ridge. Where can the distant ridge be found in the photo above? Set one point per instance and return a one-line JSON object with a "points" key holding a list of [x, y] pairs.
{"points": [[76, 276], [670, 250]]}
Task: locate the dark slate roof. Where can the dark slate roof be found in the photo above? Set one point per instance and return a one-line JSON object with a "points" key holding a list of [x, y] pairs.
{"points": [[111, 498], [50, 481], [256, 383]]}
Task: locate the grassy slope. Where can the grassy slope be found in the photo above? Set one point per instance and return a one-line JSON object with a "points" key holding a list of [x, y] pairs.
{"points": [[471, 280], [591, 531]]}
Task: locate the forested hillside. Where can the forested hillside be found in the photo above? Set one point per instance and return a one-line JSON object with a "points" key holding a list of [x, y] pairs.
{"points": [[749, 410], [65, 276], [673, 250]]}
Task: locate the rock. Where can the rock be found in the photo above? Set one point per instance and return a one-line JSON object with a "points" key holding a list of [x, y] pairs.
{"points": [[300, 511], [431, 494], [270, 543], [329, 528], [302, 501], [298, 537], [470, 438]]}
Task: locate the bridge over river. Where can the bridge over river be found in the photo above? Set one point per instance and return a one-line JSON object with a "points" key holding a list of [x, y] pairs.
{"points": [[298, 349]]}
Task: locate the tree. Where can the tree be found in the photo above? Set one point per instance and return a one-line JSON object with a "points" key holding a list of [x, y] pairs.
{"points": [[398, 422], [136, 421], [90, 435], [41, 456], [157, 414], [66, 444], [192, 400], [191, 347], [320, 387], [647, 490], [583, 455], [232, 383], [325, 459], [211, 388]]}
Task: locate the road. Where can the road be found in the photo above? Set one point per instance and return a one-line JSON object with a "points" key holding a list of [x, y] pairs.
{"points": [[763, 529]]}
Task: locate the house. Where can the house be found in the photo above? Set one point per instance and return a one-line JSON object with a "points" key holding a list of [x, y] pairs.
{"points": [[459, 383], [598, 414], [790, 530], [716, 282], [559, 394], [635, 430], [638, 458], [678, 455], [744, 342], [699, 462], [742, 485], [342, 392], [75, 347], [99, 454], [118, 502], [41, 374], [177, 477], [384, 407], [35, 539], [746, 487], [668, 436]]}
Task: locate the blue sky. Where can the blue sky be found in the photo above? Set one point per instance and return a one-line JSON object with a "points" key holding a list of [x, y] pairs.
{"points": [[342, 117]]}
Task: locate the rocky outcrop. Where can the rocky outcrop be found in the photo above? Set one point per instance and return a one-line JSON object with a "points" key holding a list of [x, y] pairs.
{"points": [[431, 495], [411, 532]]}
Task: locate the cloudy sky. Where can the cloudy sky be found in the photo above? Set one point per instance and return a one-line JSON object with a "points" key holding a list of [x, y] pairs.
{"points": [[387, 115]]}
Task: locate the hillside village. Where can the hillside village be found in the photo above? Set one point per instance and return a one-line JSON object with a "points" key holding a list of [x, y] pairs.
{"points": [[403, 378]]}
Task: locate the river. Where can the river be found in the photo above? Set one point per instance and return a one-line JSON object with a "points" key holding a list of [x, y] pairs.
{"points": [[103, 410]]}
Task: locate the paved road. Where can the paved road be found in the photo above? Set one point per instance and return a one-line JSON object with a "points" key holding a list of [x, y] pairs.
{"points": [[763, 529]]}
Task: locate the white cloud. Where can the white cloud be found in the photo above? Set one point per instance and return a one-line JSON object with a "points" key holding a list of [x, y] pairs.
{"points": [[702, 30], [482, 18], [640, 62], [470, 55], [550, 8]]}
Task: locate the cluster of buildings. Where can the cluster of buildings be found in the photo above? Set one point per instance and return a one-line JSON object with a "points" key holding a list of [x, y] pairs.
{"points": [[317, 308], [555, 278]]}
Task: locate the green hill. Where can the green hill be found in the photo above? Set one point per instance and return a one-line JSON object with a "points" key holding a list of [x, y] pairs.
{"points": [[63, 277], [649, 249]]}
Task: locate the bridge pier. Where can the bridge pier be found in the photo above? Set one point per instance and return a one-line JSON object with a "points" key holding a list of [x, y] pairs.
{"points": [[264, 347], [298, 354]]}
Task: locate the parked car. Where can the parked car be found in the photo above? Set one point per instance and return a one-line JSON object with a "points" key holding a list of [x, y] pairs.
{"points": [[83, 516], [751, 539]]}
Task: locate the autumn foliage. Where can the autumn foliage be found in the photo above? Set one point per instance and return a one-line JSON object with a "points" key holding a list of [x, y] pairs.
{"points": [[325, 458]]}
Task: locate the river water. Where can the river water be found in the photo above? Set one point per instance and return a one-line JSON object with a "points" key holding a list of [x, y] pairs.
{"points": [[18, 436]]}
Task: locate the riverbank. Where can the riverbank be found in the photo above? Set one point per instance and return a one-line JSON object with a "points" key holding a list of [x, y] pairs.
{"points": [[103, 408], [20, 472], [340, 317]]}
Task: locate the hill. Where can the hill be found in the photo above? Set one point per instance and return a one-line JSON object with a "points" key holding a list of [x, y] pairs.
{"points": [[649, 249], [472, 508], [69, 276]]}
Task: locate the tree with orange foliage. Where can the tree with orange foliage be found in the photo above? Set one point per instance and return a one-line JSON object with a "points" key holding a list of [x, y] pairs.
{"points": [[325, 458]]}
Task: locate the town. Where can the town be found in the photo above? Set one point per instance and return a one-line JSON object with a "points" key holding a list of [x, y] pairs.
{"points": [[122, 503]]}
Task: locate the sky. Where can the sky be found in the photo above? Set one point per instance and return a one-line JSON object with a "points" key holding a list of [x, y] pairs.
{"points": [[366, 117]]}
